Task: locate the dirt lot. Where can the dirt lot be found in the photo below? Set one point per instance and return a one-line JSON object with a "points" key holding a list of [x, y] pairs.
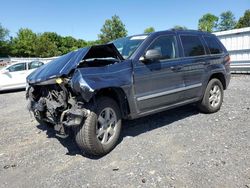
{"points": [[177, 148]]}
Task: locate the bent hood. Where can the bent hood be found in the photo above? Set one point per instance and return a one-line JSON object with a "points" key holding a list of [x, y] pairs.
{"points": [[66, 63]]}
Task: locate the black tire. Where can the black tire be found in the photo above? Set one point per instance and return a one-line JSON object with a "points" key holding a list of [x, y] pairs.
{"points": [[86, 134], [207, 106]]}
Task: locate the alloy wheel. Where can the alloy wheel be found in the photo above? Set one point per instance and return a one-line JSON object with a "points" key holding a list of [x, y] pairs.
{"points": [[215, 96], [106, 125]]}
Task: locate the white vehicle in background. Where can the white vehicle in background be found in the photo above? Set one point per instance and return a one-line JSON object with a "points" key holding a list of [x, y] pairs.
{"points": [[14, 76]]}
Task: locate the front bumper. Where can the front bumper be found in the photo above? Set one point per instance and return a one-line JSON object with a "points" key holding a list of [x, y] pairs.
{"points": [[68, 118]]}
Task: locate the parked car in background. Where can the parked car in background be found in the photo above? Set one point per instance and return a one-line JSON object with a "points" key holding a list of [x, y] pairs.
{"points": [[92, 89], [14, 76]]}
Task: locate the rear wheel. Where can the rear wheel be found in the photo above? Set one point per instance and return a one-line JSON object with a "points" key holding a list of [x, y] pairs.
{"points": [[213, 97], [100, 132]]}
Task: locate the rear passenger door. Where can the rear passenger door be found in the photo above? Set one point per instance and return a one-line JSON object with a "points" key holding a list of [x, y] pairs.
{"points": [[194, 65]]}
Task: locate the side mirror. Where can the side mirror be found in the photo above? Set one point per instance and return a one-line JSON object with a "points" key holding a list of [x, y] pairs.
{"points": [[6, 71], [152, 54]]}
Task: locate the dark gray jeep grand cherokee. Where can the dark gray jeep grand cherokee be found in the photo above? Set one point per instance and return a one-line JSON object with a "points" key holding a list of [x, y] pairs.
{"points": [[92, 89]]}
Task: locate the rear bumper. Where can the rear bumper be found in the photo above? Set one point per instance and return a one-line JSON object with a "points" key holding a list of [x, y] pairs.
{"points": [[227, 78]]}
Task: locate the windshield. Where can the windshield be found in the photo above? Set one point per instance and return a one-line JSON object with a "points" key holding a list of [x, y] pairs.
{"points": [[127, 45]]}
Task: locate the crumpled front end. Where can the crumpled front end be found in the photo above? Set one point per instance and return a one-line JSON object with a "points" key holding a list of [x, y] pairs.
{"points": [[56, 104], [59, 96]]}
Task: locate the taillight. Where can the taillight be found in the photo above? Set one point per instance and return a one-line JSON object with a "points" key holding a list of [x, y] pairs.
{"points": [[227, 59]]}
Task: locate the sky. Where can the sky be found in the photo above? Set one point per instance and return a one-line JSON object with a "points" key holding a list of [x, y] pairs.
{"points": [[83, 19]]}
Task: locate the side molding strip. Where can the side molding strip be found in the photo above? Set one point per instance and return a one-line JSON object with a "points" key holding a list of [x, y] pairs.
{"points": [[168, 92]]}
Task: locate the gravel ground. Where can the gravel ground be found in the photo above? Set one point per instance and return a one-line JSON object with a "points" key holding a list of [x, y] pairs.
{"points": [[176, 148]]}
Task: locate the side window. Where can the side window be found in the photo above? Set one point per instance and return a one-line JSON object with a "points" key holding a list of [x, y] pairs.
{"points": [[192, 45], [166, 46], [213, 45], [17, 67], [35, 64]]}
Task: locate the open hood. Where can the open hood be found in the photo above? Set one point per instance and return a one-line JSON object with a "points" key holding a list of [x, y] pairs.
{"points": [[66, 63]]}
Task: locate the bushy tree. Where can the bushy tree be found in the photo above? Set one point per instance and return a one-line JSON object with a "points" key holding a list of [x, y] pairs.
{"points": [[179, 27], [149, 30], [112, 29], [81, 43], [3, 33], [24, 43], [244, 21], [227, 21], [93, 42], [68, 44], [208, 22], [4, 43], [47, 45]]}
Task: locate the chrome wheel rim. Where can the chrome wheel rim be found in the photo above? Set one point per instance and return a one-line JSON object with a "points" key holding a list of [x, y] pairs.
{"points": [[215, 96], [106, 125]]}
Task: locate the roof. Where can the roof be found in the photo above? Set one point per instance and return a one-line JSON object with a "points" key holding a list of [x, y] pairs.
{"points": [[171, 31], [188, 31]]}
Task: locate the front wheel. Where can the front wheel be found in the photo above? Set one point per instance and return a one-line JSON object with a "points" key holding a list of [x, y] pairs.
{"points": [[213, 97], [100, 132]]}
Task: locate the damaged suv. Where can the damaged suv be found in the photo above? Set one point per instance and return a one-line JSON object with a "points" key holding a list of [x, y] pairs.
{"points": [[92, 89]]}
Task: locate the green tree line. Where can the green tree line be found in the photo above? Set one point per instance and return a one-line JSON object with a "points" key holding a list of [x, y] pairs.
{"points": [[29, 44], [225, 21], [26, 43]]}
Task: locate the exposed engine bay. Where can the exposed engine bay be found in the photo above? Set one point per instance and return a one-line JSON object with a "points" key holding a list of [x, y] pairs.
{"points": [[97, 62]]}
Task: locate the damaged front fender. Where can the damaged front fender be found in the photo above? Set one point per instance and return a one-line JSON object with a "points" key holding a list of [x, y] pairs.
{"points": [[86, 81]]}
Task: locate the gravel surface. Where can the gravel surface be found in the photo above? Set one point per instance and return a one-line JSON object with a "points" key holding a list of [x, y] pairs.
{"points": [[176, 148]]}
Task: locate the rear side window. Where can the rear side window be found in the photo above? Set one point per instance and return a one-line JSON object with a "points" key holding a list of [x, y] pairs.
{"points": [[213, 45], [35, 64], [192, 45]]}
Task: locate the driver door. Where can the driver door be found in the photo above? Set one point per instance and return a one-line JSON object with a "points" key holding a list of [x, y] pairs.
{"points": [[158, 82]]}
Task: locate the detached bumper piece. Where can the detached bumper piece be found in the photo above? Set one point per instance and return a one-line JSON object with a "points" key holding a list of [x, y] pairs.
{"points": [[73, 117], [60, 131]]}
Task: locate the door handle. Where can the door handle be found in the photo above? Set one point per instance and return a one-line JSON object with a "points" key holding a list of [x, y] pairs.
{"points": [[175, 68]]}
